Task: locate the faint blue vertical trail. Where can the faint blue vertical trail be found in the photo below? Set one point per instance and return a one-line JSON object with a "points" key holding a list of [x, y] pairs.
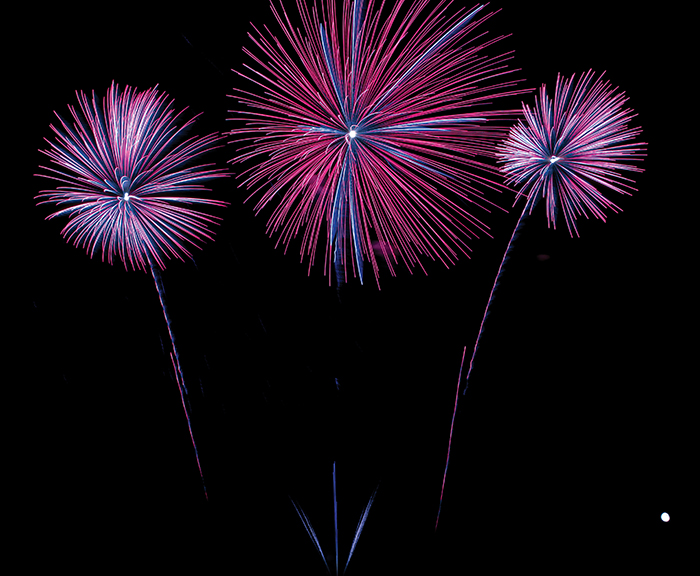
{"points": [[175, 358], [527, 210]]}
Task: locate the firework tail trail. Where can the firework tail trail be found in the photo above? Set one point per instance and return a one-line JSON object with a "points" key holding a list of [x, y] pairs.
{"points": [[527, 210], [529, 205], [175, 358], [161, 296], [449, 444], [189, 426]]}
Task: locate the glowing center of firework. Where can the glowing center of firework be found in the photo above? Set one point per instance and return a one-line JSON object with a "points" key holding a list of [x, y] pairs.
{"points": [[351, 133], [126, 196], [553, 159]]}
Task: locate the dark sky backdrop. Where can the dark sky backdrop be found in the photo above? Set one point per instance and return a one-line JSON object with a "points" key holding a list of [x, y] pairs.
{"points": [[574, 432]]}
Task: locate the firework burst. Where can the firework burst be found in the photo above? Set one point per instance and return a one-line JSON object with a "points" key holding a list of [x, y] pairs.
{"points": [[125, 177], [568, 148], [125, 172], [369, 130]]}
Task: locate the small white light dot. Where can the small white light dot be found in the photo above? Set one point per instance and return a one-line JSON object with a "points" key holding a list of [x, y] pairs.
{"points": [[553, 159], [665, 517], [352, 133], [126, 196]]}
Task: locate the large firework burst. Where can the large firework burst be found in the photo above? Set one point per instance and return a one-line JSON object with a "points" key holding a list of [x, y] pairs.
{"points": [[369, 128]]}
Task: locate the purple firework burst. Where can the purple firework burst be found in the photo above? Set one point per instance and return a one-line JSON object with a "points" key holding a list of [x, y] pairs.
{"points": [[126, 166], [125, 173], [572, 146], [369, 130]]}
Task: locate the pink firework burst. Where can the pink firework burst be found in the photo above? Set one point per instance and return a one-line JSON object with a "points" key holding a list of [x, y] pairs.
{"points": [[126, 166], [371, 130], [568, 148], [125, 173]]}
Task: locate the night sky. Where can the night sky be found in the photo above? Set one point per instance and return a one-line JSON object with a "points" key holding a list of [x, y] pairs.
{"points": [[570, 442]]}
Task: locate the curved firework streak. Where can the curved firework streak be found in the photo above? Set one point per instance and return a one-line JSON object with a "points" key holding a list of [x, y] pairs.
{"points": [[125, 167], [563, 150], [372, 123]]}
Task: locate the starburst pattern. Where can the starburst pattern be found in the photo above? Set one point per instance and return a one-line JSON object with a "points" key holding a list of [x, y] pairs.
{"points": [[126, 169], [564, 150], [568, 148], [371, 130]]}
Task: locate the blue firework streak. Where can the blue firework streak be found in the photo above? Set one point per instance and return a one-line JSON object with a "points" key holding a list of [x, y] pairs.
{"points": [[358, 531]]}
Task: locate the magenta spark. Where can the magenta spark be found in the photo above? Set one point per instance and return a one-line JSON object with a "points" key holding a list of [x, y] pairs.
{"points": [[126, 167], [368, 129], [568, 148]]}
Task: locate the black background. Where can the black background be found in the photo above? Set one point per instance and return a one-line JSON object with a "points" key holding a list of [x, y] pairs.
{"points": [[568, 446]]}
